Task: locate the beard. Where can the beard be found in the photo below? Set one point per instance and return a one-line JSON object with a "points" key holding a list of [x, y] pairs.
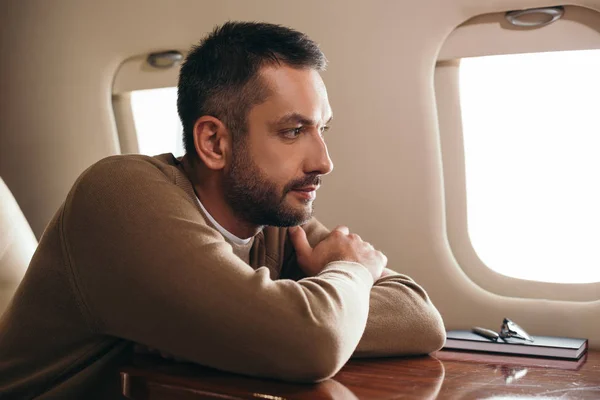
{"points": [[257, 200]]}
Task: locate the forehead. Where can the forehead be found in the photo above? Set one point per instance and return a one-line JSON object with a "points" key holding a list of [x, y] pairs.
{"points": [[292, 90]]}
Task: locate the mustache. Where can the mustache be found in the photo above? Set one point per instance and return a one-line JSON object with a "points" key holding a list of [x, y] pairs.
{"points": [[308, 180]]}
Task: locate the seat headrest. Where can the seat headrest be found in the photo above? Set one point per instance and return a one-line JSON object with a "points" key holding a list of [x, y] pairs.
{"points": [[17, 245]]}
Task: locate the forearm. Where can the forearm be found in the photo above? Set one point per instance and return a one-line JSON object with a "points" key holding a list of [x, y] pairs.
{"points": [[342, 331], [402, 320], [241, 321]]}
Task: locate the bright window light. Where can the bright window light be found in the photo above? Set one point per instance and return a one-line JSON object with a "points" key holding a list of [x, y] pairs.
{"points": [[156, 121], [531, 127]]}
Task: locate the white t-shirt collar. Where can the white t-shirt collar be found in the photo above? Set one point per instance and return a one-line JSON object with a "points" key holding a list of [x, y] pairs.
{"points": [[228, 235]]}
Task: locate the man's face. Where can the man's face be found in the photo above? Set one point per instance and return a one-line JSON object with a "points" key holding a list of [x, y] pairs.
{"points": [[276, 167]]}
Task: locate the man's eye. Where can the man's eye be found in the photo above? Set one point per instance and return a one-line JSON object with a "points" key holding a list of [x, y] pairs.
{"points": [[324, 129], [292, 133]]}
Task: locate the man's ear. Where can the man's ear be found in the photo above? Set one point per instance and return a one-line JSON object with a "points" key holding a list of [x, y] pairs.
{"points": [[212, 142]]}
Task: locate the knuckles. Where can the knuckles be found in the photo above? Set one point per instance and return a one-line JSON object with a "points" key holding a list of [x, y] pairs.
{"points": [[336, 234], [355, 237]]}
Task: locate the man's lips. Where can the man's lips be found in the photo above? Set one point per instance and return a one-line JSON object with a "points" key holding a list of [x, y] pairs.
{"points": [[306, 192], [307, 188]]}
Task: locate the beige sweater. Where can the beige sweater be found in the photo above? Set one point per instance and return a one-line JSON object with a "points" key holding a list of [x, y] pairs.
{"points": [[130, 258]]}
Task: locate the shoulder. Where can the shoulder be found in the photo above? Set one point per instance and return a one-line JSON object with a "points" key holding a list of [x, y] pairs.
{"points": [[116, 169], [116, 180], [123, 172]]}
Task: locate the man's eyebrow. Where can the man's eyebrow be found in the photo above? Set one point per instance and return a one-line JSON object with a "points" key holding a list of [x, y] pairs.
{"points": [[297, 118]]}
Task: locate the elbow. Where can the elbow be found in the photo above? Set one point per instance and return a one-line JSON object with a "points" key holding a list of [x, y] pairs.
{"points": [[322, 358], [438, 339], [435, 338], [328, 357]]}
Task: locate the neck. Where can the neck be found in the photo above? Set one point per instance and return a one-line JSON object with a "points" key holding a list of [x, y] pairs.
{"points": [[208, 188]]}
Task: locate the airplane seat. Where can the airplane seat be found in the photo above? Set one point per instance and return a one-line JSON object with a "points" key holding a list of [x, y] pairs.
{"points": [[17, 245]]}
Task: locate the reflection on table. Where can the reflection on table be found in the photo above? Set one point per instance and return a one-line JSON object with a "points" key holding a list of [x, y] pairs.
{"points": [[443, 375]]}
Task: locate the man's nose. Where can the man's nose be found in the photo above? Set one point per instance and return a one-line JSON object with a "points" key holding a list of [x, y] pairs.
{"points": [[319, 161]]}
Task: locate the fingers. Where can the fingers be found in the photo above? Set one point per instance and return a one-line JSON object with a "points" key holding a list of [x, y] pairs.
{"points": [[343, 229], [299, 241], [354, 236], [384, 259]]}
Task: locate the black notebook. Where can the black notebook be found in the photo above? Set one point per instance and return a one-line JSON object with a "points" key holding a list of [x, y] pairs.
{"points": [[542, 346], [496, 359]]}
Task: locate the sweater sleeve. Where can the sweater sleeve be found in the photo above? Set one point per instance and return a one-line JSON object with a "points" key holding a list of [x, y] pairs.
{"points": [[402, 319], [147, 268]]}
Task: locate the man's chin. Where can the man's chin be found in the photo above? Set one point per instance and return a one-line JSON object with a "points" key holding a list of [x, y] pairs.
{"points": [[298, 214], [306, 215]]}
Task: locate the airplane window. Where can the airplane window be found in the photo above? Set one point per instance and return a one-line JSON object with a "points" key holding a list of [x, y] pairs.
{"points": [[156, 121], [531, 132]]}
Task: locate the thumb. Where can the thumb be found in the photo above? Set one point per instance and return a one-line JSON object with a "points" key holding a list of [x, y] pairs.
{"points": [[300, 242]]}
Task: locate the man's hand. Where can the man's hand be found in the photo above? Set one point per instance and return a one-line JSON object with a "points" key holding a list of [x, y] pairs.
{"points": [[339, 245]]}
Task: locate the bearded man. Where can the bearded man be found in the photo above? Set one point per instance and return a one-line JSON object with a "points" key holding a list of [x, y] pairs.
{"points": [[215, 257]]}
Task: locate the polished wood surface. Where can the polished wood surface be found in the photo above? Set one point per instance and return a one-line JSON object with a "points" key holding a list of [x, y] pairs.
{"points": [[443, 375]]}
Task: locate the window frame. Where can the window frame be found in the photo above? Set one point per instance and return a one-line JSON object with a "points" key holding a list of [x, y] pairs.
{"points": [[134, 74], [491, 35]]}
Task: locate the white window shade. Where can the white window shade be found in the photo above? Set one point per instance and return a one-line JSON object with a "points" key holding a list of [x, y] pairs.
{"points": [[531, 133], [157, 125]]}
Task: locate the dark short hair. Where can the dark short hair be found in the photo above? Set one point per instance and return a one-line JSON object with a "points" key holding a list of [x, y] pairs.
{"points": [[220, 76]]}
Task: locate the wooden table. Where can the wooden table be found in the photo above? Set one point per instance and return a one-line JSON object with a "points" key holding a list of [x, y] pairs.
{"points": [[444, 375]]}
